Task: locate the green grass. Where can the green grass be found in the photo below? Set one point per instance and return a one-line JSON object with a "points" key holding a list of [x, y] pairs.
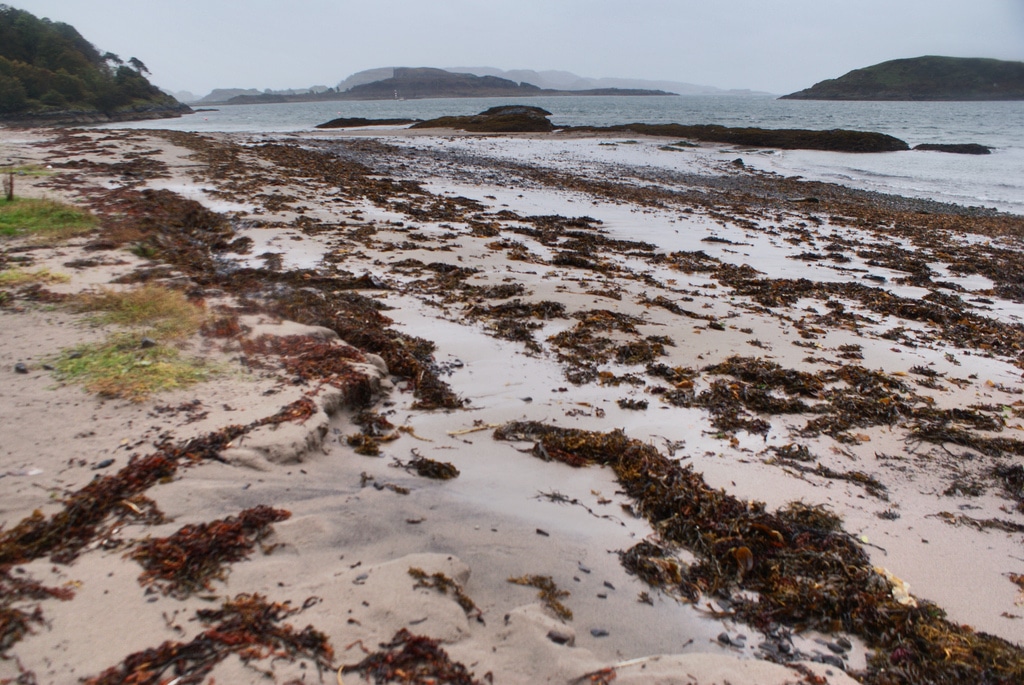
{"points": [[165, 313], [45, 218], [27, 170], [16, 277], [122, 368]]}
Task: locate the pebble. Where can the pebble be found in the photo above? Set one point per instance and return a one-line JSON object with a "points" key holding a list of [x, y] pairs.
{"points": [[147, 342], [561, 638], [599, 632], [20, 367]]}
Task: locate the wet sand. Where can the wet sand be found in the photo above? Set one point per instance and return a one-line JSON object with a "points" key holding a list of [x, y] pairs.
{"points": [[589, 283]]}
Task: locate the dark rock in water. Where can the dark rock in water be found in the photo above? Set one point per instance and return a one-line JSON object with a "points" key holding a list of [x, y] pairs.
{"points": [[501, 119], [835, 140], [354, 122], [956, 148]]}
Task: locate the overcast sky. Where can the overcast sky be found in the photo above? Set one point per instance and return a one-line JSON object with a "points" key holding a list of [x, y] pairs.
{"points": [[773, 45]]}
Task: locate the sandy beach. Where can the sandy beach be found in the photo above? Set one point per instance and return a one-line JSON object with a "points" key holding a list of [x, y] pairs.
{"points": [[525, 409]]}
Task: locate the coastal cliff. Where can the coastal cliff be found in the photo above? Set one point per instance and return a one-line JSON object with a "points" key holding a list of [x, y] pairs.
{"points": [[924, 78]]}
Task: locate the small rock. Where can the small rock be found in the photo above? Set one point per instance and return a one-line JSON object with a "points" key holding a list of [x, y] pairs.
{"points": [[599, 632], [609, 585], [561, 638], [103, 464], [830, 660], [543, 532], [147, 342], [834, 648], [20, 367]]}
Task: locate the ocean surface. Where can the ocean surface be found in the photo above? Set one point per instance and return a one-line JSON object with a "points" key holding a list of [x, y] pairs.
{"points": [[995, 180]]}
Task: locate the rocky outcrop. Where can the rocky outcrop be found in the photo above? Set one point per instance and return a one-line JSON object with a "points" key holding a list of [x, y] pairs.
{"points": [[503, 119], [357, 122]]}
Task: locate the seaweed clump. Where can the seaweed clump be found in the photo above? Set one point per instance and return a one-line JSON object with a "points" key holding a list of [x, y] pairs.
{"points": [[429, 468], [413, 659], [444, 584], [15, 622], [248, 626], [549, 593], [805, 570], [189, 560]]}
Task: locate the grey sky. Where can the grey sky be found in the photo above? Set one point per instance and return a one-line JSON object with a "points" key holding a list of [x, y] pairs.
{"points": [[773, 45]]}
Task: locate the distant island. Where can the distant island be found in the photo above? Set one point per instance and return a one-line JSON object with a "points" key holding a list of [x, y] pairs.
{"points": [[50, 74], [924, 78], [406, 83]]}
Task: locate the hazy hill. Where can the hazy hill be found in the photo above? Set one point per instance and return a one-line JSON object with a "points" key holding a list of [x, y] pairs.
{"points": [[50, 73], [924, 78], [565, 80]]}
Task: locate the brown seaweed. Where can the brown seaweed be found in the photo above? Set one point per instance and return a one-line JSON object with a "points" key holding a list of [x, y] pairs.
{"points": [[549, 593], [247, 626], [444, 585], [414, 660], [189, 560], [805, 570]]}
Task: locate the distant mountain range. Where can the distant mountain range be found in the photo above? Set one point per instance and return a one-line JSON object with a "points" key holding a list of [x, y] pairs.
{"points": [[411, 83], [924, 78]]}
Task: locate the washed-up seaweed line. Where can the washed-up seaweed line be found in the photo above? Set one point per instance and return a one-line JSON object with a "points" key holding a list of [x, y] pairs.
{"points": [[247, 626], [191, 239], [807, 572]]}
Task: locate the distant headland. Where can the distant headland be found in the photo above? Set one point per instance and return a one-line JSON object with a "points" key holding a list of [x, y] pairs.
{"points": [[406, 83], [924, 78], [50, 74]]}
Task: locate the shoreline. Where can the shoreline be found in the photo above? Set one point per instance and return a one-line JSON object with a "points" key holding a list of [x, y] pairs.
{"points": [[626, 262]]}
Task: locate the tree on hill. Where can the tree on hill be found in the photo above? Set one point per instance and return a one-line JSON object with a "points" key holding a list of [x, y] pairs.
{"points": [[48, 67]]}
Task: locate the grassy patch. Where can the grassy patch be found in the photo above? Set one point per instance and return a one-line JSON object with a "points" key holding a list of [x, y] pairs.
{"points": [[163, 312], [27, 170], [47, 218], [18, 277], [136, 363], [122, 367]]}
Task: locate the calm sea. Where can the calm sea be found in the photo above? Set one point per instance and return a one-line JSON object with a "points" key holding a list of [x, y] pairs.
{"points": [[995, 180]]}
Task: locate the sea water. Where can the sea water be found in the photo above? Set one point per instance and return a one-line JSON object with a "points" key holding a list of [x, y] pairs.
{"points": [[995, 180]]}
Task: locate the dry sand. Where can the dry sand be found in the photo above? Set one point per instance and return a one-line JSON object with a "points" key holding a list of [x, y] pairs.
{"points": [[352, 537]]}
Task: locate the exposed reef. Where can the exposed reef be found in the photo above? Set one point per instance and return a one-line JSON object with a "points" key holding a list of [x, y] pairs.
{"points": [[956, 148], [355, 122]]}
